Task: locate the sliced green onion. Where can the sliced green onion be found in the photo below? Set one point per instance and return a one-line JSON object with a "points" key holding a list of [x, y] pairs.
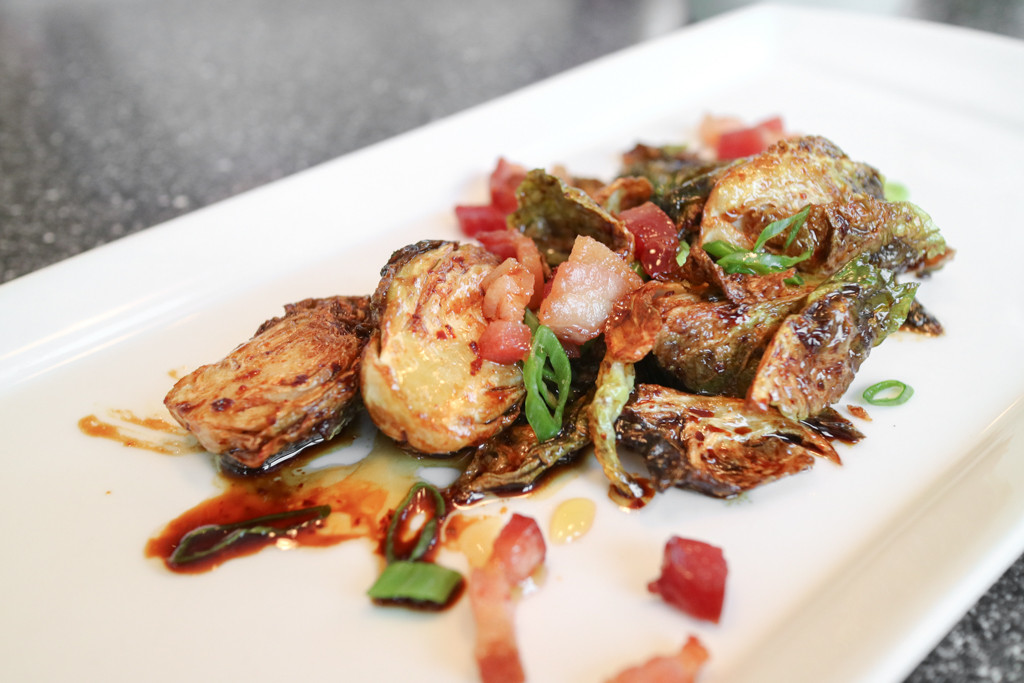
{"points": [[683, 252], [547, 362], [792, 223], [736, 260], [427, 534], [895, 192], [210, 539], [759, 262], [887, 389], [420, 583], [720, 248]]}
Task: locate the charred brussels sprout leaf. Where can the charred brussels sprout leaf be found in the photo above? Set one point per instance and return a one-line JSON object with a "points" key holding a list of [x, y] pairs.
{"points": [[815, 354], [713, 444], [553, 214], [514, 461]]}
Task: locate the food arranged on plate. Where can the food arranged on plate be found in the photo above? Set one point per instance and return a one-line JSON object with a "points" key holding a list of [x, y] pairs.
{"points": [[705, 309]]}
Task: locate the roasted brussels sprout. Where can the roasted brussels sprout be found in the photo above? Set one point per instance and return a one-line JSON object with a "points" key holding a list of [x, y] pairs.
{"points": [[423, 380]]}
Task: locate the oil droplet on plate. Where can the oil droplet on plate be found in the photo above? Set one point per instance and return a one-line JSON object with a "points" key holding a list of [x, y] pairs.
{"points": [[572, 519]]}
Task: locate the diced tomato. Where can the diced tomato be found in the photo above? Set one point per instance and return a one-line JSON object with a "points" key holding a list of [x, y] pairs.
{"points": [[505, 179], [477, 219], [692, 578], [680, 667], [656, 238], [505, 341], [742, 142]]}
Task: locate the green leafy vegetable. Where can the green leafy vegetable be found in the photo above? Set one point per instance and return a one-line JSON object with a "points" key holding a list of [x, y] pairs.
{"points": [[546, 363], [210, 539], [882, 393]]}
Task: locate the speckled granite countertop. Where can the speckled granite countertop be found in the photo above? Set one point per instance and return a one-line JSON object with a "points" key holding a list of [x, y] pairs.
{"points": [[116, 115]]}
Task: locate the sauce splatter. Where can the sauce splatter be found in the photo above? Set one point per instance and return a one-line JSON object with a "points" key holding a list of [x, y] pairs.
{"points": [[150, 433], [361, 496]]}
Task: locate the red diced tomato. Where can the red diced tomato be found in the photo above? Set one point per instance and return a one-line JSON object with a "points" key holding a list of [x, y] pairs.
{"points": [[505, 179], [692, 578], [475, 219], [656, 238], [504, 341]]}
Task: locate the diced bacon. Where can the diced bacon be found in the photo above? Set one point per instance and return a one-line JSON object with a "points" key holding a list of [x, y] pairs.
{"points": [[477, 219], [519, 549], [507, 291], [692, 578], [712, 127], [512, 243], [505, 341], [681, 667], [656, 236], [584, 289], [730, 138], [518, 552], [505, 179]]}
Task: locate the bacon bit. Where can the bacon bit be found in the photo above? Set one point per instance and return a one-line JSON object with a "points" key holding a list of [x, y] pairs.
{"points": [[505, 179], [503, 182], [657, 239], [514, 244], [584, 289], [507, 291], [730, 138], [681, 667], [518, 552], [858, 411], [505, 341], [692, 578], [477, 219]]}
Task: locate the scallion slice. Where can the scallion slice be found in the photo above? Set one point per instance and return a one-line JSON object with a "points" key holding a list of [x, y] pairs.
{"points": [[210, 539], [547, 362], [891, 392], [427, 533], [422, 584], [736, 260]]}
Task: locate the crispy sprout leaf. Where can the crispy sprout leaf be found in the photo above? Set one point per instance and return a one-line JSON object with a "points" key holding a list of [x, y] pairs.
{"points": [[553, 214], [714, 444], [514, 461], [815, 354], [614, 384]]}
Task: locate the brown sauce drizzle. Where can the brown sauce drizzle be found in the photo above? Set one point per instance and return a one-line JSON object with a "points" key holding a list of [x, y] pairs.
{"points": [[360, 495], [149, 433]]}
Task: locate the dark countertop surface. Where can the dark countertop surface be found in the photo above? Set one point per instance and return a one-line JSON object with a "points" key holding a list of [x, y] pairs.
{"points": [[116, 115]]}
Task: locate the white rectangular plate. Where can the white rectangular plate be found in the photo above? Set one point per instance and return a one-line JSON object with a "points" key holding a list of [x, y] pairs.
{"points": [[840, 573]]}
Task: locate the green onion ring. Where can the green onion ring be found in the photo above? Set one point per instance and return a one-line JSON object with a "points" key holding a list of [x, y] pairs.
{"points": [[427, 533], [871, 393]]}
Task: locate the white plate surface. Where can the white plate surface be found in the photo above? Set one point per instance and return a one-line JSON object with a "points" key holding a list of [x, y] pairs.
{"points": [[838, 574]]}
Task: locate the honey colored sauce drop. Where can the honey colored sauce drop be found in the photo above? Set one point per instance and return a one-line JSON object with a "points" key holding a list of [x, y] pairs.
{"points": [[572, 519]]}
